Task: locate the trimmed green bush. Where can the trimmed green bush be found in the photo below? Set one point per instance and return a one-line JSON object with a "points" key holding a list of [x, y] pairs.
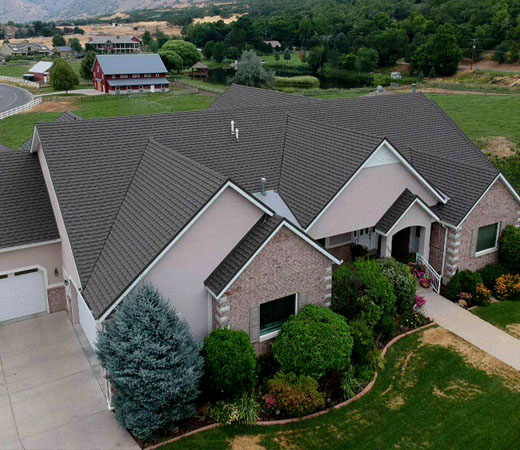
{"points": [[464, 281], [490, 273], [360, 290], [403, 283], [509, 249], [293, 395], [387, 327], [230, 363], [364, 341], [314, 341], [153, 363], [301, 82]]}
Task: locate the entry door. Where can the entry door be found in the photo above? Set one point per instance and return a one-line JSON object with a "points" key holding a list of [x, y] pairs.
{"points": [[22, 294], [152, 88]]}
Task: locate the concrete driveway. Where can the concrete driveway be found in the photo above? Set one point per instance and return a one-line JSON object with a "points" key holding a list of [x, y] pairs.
{"points": [[11, 97], [50, 389]]}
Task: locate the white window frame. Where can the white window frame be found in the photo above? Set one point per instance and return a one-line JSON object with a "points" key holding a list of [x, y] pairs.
{"points": [[273, 334], [487, 251]]}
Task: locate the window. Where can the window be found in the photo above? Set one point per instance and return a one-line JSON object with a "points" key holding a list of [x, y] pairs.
{"points": [[487, 238], [123, 76], [273, 315]]}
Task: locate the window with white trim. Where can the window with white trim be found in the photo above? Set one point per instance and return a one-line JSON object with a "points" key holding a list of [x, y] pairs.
{"points": [[275, 313], [487, 240]]}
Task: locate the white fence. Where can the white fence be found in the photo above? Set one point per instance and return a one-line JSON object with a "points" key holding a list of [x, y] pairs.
{"points": [[20, 81], [431, 273], [20, 109]]}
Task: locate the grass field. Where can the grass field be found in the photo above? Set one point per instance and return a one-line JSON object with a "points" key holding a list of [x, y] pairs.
{"points": [[294, 61], [436, 392], [17, 129], [17, 71], [505, 315]]}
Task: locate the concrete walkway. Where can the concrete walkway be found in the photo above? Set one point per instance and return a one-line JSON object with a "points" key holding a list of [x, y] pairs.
{"points": [[50, 389], [471, 328]]}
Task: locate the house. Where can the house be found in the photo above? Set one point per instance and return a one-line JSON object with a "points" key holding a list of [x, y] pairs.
{"points": [[65, 51], [238, 214], [275, 45], [130, 74], [41, 72], [114, 44], [24, 49]]}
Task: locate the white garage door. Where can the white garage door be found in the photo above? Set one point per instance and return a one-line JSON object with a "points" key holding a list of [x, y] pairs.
{"points": [[22, 294]]}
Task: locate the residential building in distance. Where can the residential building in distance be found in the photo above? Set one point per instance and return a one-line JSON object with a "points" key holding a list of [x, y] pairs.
{"points": [[41, 72], [110, 45], [65, 51], [130, 74], [25, 49]]}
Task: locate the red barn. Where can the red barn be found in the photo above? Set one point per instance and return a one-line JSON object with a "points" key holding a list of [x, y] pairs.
{"points": [[129, 74], [41, 72]]}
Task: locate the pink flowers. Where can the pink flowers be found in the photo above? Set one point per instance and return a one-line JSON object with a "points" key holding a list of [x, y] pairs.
{"points": [[269, 401], [419, 302]]}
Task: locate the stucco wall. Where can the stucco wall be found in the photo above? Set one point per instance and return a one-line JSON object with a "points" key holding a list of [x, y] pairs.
{"points": [[367, 198], [47, 256], [498, 205], [180, 274], [287, 265], [67, 258]]}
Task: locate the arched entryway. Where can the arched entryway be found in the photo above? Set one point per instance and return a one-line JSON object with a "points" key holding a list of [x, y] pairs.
{"points": [[406, 241]]}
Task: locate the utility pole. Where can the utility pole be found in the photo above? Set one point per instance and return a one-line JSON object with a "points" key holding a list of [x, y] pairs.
{"points": [[473, 47]]}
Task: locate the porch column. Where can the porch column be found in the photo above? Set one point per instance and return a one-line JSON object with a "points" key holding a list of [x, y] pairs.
{"points": [[386, 246], [424, 242]]}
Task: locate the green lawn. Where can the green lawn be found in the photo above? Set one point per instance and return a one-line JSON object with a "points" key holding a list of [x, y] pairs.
{"points": [[17, 129], [427, 397], [482, 116], [501, 315], [17, 71], [294, 61]]}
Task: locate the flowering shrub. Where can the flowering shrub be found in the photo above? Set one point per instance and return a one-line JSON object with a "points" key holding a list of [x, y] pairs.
{"points": [[420, 301], [412, 319], [483, 295], [508, 287], [292, 395], [464, 281], [419, 271], [465, 297], [402, 280]]}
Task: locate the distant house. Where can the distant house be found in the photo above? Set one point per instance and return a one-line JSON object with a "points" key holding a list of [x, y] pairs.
{"points": [[41, 72], [114, 44], [130, 74], [65, 51], [25, 49], [199, 71], [275, 45]]}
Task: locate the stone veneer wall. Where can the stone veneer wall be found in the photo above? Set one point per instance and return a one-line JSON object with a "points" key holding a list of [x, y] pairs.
{"points": [[57, 299], [287, 265], [343, 253], [436, 246], [498, 205]]}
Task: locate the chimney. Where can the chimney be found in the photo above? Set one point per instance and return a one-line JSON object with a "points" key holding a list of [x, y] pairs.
{"points": [[232, 126], [236, 133], [263, 182]]}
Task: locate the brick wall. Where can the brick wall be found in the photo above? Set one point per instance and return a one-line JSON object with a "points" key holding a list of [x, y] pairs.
{"points": [[286, 265], [498, 205], [436, 246], [57, 299]]}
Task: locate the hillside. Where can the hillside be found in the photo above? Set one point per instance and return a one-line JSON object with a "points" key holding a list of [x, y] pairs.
{"points": [[28, 10]]}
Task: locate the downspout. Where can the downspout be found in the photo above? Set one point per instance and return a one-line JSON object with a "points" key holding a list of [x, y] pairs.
{"points": [[444, 250]]}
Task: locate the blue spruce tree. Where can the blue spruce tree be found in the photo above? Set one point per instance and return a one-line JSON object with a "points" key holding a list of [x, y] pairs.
{"points": [[152, 361]]}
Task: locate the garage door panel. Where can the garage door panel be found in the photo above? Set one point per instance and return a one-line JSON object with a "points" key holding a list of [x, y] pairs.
{"points": [[22, 295]]}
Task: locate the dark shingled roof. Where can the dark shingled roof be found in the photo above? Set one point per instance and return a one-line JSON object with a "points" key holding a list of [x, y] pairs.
{"points": [[25, 210], [396, 211], [165, 192], [242, 253], [306, 148]]}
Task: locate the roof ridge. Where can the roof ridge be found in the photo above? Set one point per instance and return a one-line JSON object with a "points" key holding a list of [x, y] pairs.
{"points": [[116, 215]]}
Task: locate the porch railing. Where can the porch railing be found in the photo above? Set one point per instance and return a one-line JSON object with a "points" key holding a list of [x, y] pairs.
{"points": [[430, 273]]}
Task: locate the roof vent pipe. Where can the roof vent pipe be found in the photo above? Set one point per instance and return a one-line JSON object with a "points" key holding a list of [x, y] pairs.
{"points": [[232, 126], [236, 133], [263, 182], [414, 86]]}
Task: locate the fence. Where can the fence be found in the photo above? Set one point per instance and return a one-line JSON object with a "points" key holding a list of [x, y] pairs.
{"points": [[20, 109], [431, 274], [19, 81]]}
